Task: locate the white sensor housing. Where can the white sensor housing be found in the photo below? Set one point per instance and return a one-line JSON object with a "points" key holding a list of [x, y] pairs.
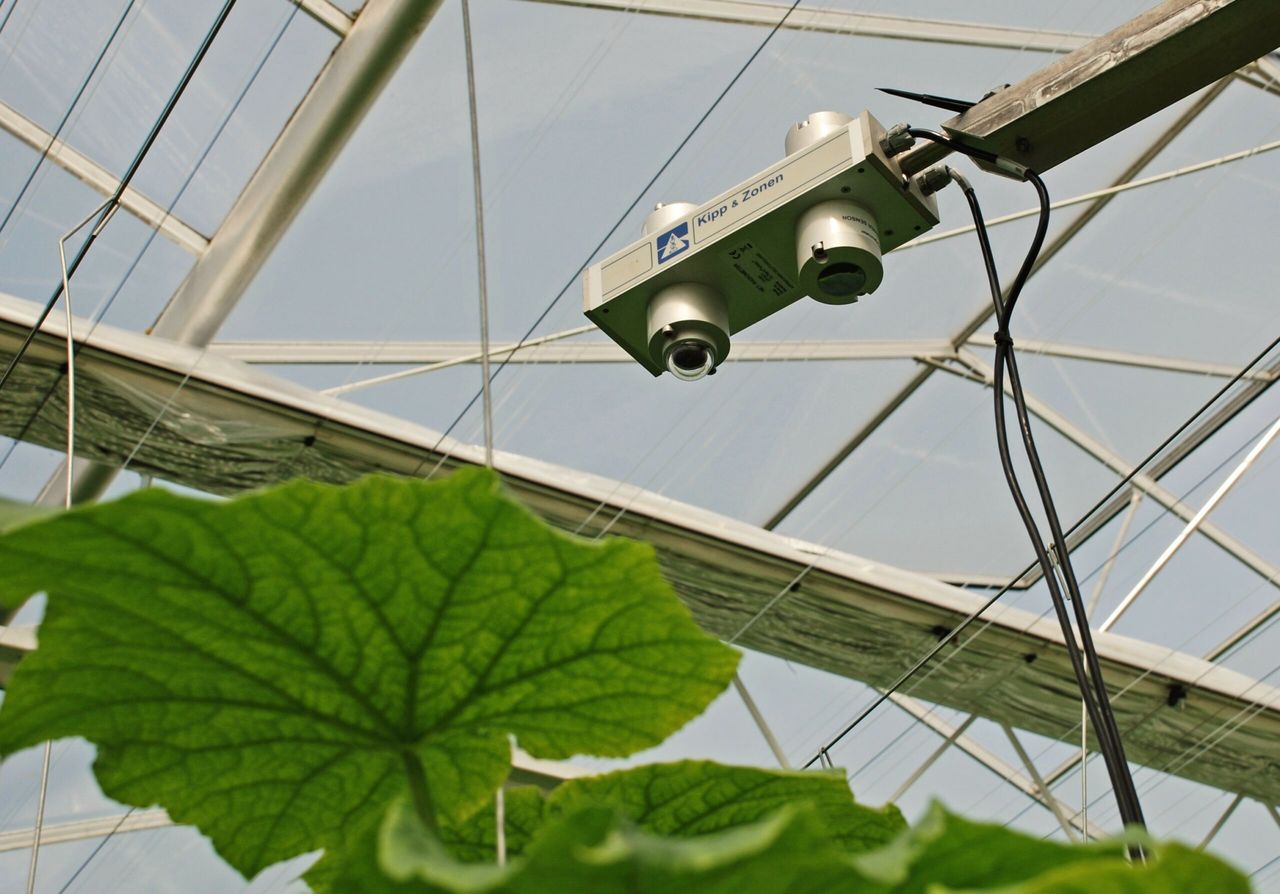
{"points": [[750, 252]]}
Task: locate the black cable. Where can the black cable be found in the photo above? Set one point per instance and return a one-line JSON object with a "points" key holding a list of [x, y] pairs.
{"points": [[621, 219], [75, 100], [114, 200], [7, 14], [1108, 736], [101, 844], [1084, 658]]}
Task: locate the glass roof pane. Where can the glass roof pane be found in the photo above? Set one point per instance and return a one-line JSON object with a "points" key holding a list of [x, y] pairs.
{"points": [[926, 492]]}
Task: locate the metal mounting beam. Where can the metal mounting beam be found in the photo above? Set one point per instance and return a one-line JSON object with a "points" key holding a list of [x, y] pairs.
{"points": [[1113, 82]]}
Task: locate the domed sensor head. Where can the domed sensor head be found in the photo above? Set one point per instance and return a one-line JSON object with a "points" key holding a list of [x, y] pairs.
{"points": [[690, 359], [688, 330]]}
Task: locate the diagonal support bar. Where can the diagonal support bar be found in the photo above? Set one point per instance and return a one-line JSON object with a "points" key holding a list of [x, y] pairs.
{"points": [[325, 119], [1140, 481], [101, 180]]}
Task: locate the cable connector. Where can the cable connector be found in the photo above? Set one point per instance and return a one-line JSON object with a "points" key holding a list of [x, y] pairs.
{"points": [[897, 140], [934, 179]]}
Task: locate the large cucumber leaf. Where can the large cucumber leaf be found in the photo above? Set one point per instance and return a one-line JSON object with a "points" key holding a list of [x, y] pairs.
{"points": [[277, 668]]}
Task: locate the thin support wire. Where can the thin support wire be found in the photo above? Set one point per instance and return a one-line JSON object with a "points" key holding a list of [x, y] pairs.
{"points": [[97, 849], [109, 207], [1084, 767], [1134, 502], [40, 799], [486, 389], [754, 710], [1193, 524], [500, 824]]}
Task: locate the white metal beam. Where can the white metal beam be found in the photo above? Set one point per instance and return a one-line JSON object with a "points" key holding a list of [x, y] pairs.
{"points": [[79, 830], [1195, 522], [1261, 74], [596, 351], [1046, 793], [343, 91], [1031, 346], [837, 21], [1221, 821], [947, 741], [326, 118], [100, 179], [1107, 192], [393, 353], [332, 17], [1244, 631]]}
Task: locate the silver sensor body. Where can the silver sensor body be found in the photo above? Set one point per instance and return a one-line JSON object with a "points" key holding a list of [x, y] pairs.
{"points": [[815, 223]]}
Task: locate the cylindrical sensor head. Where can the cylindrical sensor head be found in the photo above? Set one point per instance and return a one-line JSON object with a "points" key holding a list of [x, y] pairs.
{"points": [[814, 128], [838, 252], [688, 330], [664, 215]]}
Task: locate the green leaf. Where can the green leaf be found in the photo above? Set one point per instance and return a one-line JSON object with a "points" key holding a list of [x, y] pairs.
{"points": [[274, 668], [595, 850], [690, 798], [1170, 867], [681, 800], [948, 851], [475, 840], [14, 515]]}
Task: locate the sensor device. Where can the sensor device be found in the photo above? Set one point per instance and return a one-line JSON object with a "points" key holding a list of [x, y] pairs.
{"points": [[816, 223]]}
